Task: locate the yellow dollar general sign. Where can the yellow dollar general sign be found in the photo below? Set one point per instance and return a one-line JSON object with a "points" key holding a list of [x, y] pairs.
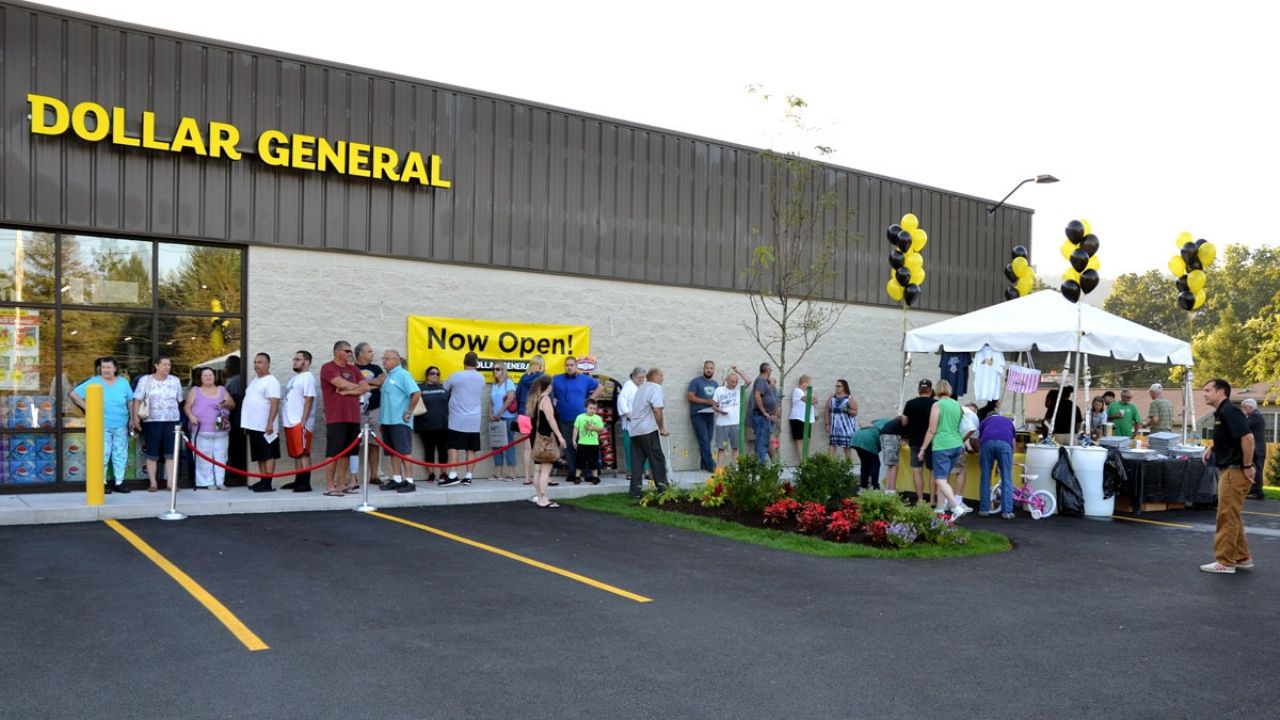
{"points": [[94, 123], [443, 342]]}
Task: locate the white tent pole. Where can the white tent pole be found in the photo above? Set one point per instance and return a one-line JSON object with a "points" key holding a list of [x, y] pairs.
{"points": [[1088, 405]]}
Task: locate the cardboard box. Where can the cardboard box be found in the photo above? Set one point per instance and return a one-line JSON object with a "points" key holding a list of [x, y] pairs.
{"points": [[22, 472]]}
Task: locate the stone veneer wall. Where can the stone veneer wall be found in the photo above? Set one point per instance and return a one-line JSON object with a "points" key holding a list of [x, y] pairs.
{"points": [[303, 299]]}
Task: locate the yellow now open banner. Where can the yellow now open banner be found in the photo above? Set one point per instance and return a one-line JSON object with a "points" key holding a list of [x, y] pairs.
{"points": [[444, 342]]}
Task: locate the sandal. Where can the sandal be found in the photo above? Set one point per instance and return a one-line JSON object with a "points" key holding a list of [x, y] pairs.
{"points": [[527, 482], [351, 491], [509, 478], [549, 505], [335, 493]]}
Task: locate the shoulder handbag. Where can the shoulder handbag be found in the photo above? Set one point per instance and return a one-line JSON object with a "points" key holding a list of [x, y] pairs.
{"points": [[545, 449], [144, 404], [419, 408]]}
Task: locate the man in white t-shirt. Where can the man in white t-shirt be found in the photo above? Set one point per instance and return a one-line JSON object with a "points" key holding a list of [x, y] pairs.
{"points": [[298, 413], [728, 416], [648, 427], [260, 417]]}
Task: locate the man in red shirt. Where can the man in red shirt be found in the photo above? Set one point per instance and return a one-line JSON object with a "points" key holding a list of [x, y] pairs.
{"points": [[342, 384]]}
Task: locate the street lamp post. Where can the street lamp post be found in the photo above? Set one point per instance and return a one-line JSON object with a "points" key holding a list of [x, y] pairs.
{"points": [[1039, 179]]}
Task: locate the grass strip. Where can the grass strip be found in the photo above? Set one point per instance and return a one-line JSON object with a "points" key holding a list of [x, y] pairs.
{"points": [[980, 542]]}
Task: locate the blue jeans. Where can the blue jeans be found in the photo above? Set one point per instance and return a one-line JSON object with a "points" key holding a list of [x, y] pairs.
{"points": [[506, 457], [704, 426], [762, 426], [989, 454]]}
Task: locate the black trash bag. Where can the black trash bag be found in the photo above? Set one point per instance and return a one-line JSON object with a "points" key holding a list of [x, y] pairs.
{"points": [[1070, 496], [1114, 477]]}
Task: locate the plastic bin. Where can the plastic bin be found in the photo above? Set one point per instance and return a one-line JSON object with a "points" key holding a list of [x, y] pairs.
{"points": [[1040, 462], [1088, 462]]}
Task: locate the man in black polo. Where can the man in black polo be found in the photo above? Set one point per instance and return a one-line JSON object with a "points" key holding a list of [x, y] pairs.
{"points": [[1232, 453]]}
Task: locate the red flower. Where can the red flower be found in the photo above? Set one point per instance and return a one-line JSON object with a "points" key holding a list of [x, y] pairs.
{"points": [[787, 488], [812, 518]]}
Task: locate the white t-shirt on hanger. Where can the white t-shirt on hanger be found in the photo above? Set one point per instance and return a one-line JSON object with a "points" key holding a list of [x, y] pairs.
{"points": [[988, 374]]}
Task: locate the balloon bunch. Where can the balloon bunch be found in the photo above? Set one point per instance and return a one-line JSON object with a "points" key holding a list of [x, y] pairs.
{"points": [[1188, 266], [1081, 250], [1019, 272], [905, 260]]}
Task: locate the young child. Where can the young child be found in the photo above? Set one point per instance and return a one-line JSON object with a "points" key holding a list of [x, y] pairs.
{"points": [[586, 443]]}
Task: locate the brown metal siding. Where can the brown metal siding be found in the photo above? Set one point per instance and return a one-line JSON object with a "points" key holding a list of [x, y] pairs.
{"points": [[534, 188]]}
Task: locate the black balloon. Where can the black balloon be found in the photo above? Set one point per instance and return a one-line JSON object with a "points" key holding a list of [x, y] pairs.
{"points": [[1009, 274], [1012, 293], [1071, 290], [1079, 260], [1200, 242], [1021, 251], [1075, 231], [1088, 281], [894, 229], [1181, 284], [1189, 252], [1090, 244], [1187, 300], [911, 294], [1194, 264], [903, 276], [904, 240], [896, 259]]}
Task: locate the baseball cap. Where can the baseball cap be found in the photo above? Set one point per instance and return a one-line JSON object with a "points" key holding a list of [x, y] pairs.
{"points": [[1156, 386], [926, 383]]}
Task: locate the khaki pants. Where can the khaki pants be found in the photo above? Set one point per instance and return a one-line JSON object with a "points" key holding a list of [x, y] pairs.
{"points": [[1229, 544]]}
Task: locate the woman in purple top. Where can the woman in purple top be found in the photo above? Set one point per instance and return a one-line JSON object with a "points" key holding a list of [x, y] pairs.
{"points": [[208, 414], [995, 445]]}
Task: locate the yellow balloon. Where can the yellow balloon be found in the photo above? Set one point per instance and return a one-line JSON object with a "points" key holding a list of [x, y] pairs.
{"points": [[1195, 280], [894, 289], [1071, 274], [909, 222], [918, 239], [1185, 237], [917, 276], [1177, 266], [1020, 266], [1199, 300], [1088, 229], [1207, 253], [1067, 248], [1094, 263], [913, 261], [1025, 284]]}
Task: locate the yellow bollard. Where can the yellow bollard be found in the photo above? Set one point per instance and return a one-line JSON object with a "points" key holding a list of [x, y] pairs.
{"points": [[95, 463]]}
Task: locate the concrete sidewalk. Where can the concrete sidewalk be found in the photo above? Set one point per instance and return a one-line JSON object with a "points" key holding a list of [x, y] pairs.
{"points": [[43, 508]]}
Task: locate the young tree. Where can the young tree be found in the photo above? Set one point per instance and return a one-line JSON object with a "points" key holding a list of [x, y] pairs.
{"points": [[791, 271]]}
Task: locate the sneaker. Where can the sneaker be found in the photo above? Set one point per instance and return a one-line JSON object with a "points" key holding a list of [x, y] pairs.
{"points": [[1008, 516], [122, 489], [985, 513], [289, 485], [450, 480], [959, 512], [1246, 564], [939, 511], [966, 507], [1217, 567], [406, 487], [467, 480], [390, 485]]}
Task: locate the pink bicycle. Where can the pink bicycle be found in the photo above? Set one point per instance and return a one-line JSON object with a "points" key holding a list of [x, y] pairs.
{"points": [[1040, 503]]}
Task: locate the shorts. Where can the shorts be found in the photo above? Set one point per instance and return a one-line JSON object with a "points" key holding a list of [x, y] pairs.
{"points": [[944, 460], [915, 457], [372, 418], [889, 450], [797, 429], [727, 436], [157, 435], [297, 441], [961, 464], [398, 438], [459, 440], [260, 449], [338, 436]]}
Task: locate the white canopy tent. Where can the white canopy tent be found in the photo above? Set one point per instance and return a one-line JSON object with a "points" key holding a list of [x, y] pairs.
{"points": [[1046, 322]]}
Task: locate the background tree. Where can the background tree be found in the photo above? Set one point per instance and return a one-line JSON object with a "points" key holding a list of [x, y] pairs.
{"points": [[791, 270], [1148, 299]]}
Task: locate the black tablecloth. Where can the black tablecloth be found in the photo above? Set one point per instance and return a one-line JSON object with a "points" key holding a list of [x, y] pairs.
{"points": [[1185, 481]]}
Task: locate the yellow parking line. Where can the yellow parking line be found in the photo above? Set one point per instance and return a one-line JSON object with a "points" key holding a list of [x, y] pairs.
{"points": [[220, 611], [518, 558], [1255, 512], [1150, 522]]}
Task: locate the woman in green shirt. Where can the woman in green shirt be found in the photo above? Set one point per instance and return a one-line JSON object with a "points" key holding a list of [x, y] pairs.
{"points": [[944, 435]]}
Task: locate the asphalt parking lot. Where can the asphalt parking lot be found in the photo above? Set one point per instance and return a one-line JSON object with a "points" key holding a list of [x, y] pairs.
{"points": [[520, 612]]}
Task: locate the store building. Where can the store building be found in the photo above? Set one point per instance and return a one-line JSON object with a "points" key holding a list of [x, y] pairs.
{"points": [[166, 194]]}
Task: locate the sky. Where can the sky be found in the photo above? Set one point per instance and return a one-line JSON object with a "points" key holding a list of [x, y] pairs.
{"points": [[1153, 115]]}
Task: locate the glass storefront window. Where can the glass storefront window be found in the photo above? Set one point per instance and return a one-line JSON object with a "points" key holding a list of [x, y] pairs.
{"points": [[28, 369], [199, 277], [192, 342], [28, 458], [27, 262], [106, 271], [90, 334]]}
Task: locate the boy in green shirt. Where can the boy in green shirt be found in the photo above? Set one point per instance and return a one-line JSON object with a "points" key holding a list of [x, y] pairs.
{"points": [[586, 443], [1124, 414]]}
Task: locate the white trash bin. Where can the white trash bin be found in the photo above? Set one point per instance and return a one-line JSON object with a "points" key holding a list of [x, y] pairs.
{"points": [[1088, 462], [1040, 462]]}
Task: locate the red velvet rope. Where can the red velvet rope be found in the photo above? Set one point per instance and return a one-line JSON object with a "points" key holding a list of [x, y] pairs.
{"points": [[340, 456], [420, 463]]}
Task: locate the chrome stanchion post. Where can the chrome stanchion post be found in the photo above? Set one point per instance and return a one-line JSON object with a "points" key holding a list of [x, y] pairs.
{"points": [[364, 505], [172, 513]]}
